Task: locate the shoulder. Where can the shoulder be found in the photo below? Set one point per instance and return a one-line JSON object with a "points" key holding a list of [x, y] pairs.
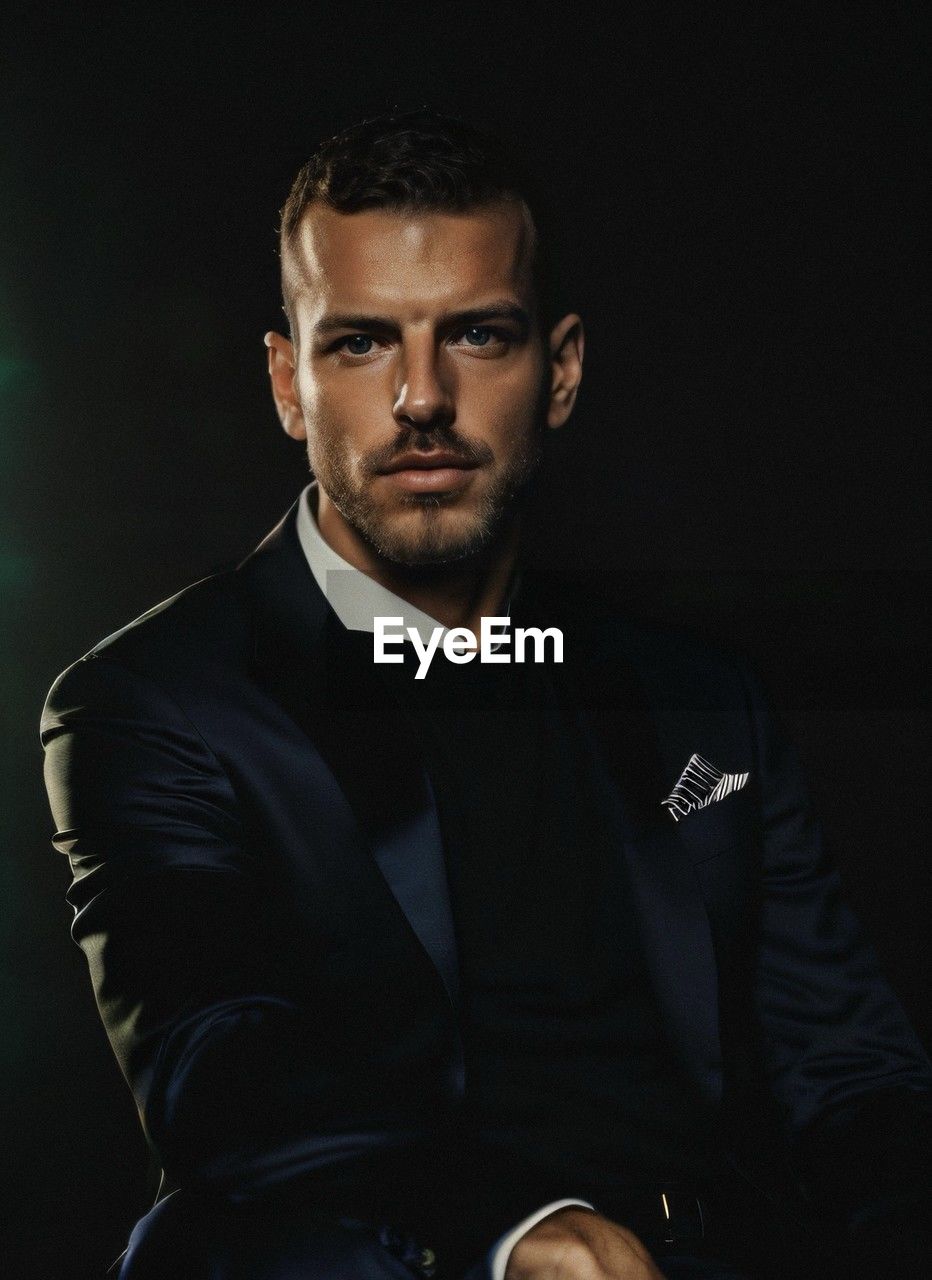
{"points": [[204, 628]]}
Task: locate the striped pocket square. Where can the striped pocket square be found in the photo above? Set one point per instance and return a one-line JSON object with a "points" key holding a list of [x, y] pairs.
{"points": [[701, 783]]}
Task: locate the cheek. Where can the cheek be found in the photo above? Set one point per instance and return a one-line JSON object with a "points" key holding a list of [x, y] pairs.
{"points": [[505, 406], [343, 414]]}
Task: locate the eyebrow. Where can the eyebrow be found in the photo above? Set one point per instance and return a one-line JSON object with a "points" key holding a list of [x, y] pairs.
{"points": [[475, 315]]}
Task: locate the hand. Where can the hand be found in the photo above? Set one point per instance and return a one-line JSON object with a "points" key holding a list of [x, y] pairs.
{"points": [[576, 1244]]}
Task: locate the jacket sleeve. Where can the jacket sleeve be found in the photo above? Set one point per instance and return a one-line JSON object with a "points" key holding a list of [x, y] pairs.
{"points": [[163, 891], [838, 1047]]}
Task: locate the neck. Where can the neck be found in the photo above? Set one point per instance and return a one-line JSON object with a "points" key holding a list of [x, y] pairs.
{"points": [[457, 594]]}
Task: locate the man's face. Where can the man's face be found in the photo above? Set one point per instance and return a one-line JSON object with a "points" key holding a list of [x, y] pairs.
{"points": [[416, 344]]}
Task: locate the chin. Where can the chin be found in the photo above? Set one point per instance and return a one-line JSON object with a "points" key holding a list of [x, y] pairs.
{"points": [[445, 538]]}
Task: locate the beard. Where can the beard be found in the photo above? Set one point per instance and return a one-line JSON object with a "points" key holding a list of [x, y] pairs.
{"points": [[422, 530]]}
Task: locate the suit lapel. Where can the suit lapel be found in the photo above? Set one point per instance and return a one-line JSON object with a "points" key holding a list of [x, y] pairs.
{"points": [[617, 733], [672, 920], [324, 677]]}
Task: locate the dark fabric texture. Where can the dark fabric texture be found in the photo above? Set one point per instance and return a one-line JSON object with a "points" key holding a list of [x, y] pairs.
{"points": [[260, 1242], [571, 1087], [260, 886]]}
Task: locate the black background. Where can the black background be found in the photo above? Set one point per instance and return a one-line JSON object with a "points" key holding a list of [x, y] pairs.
{"points": [[740, 204]]}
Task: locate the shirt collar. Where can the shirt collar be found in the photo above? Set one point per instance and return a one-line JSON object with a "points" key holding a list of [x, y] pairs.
{"points": [[355, 598]]}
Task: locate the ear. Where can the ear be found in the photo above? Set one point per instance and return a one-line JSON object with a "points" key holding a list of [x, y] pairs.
{"points": [[282, 369], [567, 342]]}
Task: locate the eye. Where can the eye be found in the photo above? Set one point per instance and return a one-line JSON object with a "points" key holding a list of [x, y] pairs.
{"points": [[356, 338], [484, 334]]}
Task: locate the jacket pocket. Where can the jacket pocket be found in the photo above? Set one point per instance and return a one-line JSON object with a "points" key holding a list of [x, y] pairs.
{"points": [[706, 833]]}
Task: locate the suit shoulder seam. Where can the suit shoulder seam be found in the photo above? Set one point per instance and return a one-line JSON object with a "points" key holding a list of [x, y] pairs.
{"points": [[170, 697]]}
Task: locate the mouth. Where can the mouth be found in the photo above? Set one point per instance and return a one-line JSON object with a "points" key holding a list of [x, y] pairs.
{"points": [[429, 472]]}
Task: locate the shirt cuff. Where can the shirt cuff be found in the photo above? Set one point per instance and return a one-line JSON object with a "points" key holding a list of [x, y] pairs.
{"points": [[501, 1250]]}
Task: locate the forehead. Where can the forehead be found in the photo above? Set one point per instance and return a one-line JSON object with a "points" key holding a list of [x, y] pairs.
{"points": [[404, 258]]}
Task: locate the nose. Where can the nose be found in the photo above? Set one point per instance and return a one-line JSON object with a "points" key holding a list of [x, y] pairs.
{"points": [[424, 398]]}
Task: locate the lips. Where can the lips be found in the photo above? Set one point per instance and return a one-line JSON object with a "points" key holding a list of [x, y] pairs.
{"points": [[437, 472], [428, 462]]}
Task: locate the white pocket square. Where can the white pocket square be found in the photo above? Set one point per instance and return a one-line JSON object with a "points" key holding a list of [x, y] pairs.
{"points": [[701, 783]]}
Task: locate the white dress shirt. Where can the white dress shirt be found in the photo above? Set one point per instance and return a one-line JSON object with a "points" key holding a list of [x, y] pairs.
{"points": [[357, 600]]}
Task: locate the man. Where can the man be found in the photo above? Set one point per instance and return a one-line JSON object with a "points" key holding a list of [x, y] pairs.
{"points": [[516, 969]]}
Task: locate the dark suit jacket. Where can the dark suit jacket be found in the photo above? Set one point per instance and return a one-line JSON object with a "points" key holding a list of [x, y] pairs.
{"points": [[259, 888]]}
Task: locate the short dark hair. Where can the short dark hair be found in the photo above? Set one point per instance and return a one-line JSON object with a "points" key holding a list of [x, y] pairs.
{"points": [[422, 160]]}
